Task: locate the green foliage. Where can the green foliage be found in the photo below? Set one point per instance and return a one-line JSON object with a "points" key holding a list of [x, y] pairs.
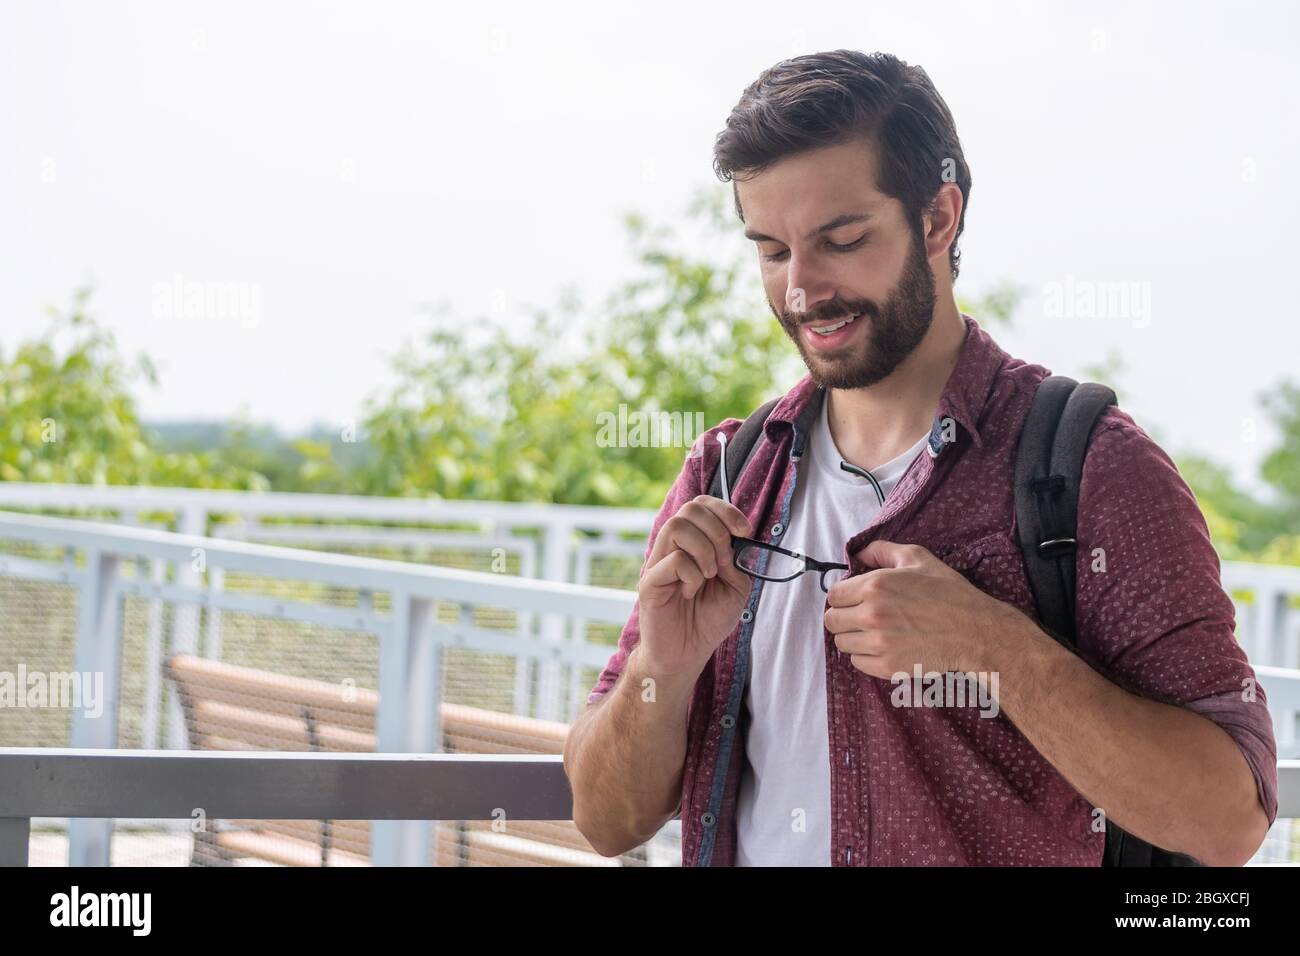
{"points": [[995, 307], [1281, 467], [69, 415], [1240, 525], [1106, 372], [518, 417], [518, 409]]}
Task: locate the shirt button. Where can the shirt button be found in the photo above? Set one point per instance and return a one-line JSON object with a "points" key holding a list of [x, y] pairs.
{"points": [[746, 615], [727, 721], [708, 819], [777, 529]]}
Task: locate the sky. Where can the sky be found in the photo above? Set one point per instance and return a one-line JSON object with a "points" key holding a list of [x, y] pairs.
{"points": [[322, 171]]}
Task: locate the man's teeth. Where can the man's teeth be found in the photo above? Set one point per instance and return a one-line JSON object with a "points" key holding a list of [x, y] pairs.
{"points": [[834, 328]]}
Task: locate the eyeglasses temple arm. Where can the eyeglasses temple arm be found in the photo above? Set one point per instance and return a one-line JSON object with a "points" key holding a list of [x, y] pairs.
{"points": [[722, 468]]}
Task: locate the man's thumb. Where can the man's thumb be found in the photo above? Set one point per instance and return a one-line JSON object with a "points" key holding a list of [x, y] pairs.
{"points": [[882, 554]]}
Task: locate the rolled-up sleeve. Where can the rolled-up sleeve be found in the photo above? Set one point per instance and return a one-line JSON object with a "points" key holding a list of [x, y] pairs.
{"points": [[700, 463], [1152, 613]]}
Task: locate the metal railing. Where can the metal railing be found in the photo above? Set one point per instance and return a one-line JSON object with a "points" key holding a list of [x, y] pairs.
{"points": [[42, 782], [190, 584], [292, 786], [1268, 615], [118, 562], [550, 542]]}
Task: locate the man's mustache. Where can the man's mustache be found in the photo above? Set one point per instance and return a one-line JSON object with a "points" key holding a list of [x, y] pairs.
{"points": [[796, 319]]}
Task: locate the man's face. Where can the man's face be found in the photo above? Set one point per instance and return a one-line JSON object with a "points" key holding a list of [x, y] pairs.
{"points": [[831, 246]]}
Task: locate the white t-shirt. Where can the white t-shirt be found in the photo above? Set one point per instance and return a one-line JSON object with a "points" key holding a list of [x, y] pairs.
{"points": [[783, 813]]}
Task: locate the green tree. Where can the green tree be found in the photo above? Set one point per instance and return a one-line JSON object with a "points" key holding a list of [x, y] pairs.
{"points": [[1242, 526], [69, 415], [516, 416]]}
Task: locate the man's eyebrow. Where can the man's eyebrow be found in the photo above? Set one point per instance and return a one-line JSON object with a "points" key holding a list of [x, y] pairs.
{"points": [[846, 219]]}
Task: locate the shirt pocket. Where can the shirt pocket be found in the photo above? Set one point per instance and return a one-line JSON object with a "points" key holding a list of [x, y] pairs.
{"points": [[996, 565]]}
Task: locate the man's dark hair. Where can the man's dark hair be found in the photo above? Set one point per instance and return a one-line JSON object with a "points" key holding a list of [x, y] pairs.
{"points": [[826, 99]]}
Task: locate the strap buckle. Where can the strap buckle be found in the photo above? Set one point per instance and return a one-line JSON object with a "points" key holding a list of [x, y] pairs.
{"points": [[1056, 547], [1054, 544]]}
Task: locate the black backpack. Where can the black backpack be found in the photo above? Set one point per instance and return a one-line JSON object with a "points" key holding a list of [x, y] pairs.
{"points": [[1049, 464]]}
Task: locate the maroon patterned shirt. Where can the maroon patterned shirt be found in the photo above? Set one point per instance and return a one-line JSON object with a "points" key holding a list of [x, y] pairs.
{"points": [[944, 785]]}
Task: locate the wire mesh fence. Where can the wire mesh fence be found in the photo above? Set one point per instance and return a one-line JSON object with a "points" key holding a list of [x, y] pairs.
{"points": [[296, 630], [208, 675]]}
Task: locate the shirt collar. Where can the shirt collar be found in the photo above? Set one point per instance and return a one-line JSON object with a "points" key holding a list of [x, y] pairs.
{"points": [[962, 401]]}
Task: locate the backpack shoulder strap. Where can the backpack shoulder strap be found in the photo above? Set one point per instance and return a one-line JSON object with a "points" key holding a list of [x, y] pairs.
{"points": [[741, 447], [1049, 466]]}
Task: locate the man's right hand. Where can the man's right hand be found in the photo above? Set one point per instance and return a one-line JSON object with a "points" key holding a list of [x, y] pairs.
{"points": [[691, 594]]}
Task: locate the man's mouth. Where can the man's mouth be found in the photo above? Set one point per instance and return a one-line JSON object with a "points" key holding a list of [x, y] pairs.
{"points": [[831, 335], [833, 327]]}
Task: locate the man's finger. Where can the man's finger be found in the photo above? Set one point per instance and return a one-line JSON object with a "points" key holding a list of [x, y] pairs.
{"points": [[711, 522], [887, 554], [682, 534], [729, 514], [667, 573], [848, 591]]}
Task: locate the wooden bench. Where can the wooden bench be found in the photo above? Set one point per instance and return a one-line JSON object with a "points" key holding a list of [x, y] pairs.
{"points": [[228, 707]]}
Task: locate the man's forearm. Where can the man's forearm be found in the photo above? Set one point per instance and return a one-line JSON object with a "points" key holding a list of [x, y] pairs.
{"points": [[1162, 772], [625, 757]]}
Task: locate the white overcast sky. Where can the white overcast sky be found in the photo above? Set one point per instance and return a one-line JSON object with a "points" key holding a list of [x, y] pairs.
{"points": [[351, 161]]}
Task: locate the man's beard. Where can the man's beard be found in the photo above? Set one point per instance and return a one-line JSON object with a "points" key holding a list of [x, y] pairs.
{"points": [[896, 329]]}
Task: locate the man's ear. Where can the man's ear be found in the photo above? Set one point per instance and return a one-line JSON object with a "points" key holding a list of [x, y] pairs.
{"points": [[940, 220]]}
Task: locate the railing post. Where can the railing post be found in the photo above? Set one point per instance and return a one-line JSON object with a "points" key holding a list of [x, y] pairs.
{"points": [[1286, 653], [523, 689], [423, 724], [193, 519], [555, 567], [409, 694], [15, 838], [98, 655], [575, 697], [1270, 626], [150, 720], [212, 637], [153, 675]]}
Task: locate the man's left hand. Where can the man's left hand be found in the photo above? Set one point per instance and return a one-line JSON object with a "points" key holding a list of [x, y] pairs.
{"points": [[910, 608]]}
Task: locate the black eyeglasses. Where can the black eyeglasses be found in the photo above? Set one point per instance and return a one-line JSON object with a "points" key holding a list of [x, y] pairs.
{"points": [[767, 561], [771, 563]]}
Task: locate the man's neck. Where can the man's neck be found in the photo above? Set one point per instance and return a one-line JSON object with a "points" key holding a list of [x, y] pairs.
{"points": [[874, 425]]}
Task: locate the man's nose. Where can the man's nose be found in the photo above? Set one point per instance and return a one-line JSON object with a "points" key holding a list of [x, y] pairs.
{"points": [[806, 288]]}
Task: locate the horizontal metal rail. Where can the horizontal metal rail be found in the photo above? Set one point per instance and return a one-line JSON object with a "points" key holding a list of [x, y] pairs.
{"points": [[18, 494], [155, 784], [345, 570], [159, 784]]}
